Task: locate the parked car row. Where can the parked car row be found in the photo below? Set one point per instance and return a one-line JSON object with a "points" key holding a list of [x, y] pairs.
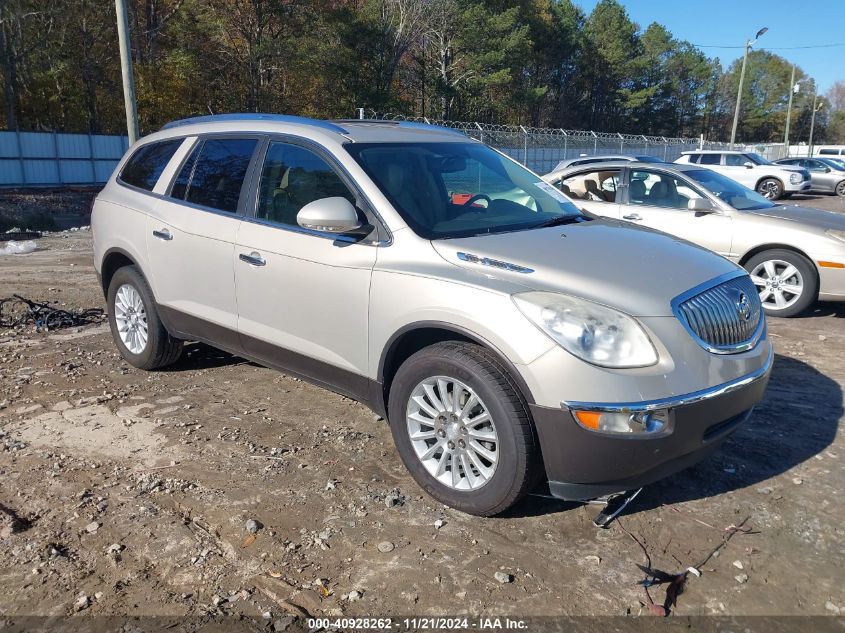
{"points": [[508, 336], [827, 175]]}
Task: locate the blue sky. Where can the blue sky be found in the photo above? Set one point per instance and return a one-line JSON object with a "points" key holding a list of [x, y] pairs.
{"points": [[730, 22]]}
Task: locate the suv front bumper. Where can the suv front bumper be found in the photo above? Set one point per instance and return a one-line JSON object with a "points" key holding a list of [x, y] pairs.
{"points": [[583, 464]]}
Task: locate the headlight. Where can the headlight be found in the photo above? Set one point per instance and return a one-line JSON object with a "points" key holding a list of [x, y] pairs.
{"points": [[795, 177], [839, 235], [592, 332]]}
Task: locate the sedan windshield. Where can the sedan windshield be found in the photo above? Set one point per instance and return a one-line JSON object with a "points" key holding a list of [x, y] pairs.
{"points": [[445, 190], [729, 190], [833, 164]]}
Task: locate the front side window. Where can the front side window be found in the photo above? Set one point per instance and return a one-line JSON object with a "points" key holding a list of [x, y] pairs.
{"points": [[214, 173], [657, 189], [145, 166], [445, 190], [729, 190], [597, 186], [735, 160], [710, 159], [292, 177]]}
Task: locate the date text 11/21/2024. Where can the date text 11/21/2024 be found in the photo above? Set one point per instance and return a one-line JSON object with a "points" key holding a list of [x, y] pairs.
{"points": [[417, 624]]}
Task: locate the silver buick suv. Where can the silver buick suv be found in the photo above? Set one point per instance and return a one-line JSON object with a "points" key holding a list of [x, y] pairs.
{"points": [[507, 337]]}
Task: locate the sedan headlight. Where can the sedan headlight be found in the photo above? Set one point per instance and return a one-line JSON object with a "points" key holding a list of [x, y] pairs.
{"points": [[795, 178], [836, 234], [592, 332]]}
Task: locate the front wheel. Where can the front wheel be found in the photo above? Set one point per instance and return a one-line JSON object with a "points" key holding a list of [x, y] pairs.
{"points": [[840, 189], [787, 282], [770, 188], [462, 429]]}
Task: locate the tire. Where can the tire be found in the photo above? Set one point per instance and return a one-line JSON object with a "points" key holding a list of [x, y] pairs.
{"points": [[805, 279], [786, 195], [159, 349], [770, 188], [840, 189], [518, 464]]}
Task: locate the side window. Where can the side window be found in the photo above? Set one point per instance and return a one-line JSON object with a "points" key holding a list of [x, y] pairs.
{"points": [[597, 186], [710, 159], [735, 160], [660, 190], [183, 178], [219, 170], [829, 152], [144, 168], [694, 158], [292, 177], [814, 165]]}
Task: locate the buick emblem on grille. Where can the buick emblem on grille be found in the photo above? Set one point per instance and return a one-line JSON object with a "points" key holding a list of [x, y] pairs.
{"points": [[743, 306]]}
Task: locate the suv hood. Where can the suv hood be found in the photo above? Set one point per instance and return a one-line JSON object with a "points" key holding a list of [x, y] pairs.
{"points": [[804, 215], [636, 270]]}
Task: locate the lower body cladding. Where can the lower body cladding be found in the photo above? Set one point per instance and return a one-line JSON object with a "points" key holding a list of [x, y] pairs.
{"points": [[584, 464]]}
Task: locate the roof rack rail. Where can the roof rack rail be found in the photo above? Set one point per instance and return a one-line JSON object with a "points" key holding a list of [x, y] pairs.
{"points": [[252, 116], [405, 124]]}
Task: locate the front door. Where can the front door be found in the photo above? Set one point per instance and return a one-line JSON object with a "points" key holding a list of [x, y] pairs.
{"points": [[303, 295], [191, 240], [659, 200]]}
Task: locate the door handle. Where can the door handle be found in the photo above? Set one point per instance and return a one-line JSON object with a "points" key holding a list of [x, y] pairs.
{"points": [[163, 234], [253, 259], [632, 216]]}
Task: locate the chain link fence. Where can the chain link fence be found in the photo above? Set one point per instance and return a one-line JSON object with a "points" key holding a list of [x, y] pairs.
{"points": [[541, 149]]}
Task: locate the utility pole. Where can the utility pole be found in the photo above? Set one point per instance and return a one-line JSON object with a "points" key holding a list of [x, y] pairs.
{"points": [[813, 124], [126, 71], [748, 44], [793, 89]]}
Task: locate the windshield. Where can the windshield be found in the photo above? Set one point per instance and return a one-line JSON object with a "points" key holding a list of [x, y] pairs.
{"points": [[729, 190], [445, 190], [756, 158]]}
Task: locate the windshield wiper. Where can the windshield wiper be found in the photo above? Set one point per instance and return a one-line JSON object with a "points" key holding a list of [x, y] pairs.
{"points": [[559, 221]]}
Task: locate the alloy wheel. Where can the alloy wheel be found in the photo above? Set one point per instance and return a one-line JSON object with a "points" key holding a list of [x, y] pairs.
{"points": [[131, 318], [780, 283], [769, 189], [452, 433]]}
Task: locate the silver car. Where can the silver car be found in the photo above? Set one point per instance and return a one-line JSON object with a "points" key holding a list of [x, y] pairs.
{"points": [[826, 175], [507, 337], [795, 255]]}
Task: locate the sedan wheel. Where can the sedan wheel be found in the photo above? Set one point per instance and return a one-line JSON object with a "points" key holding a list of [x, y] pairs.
{"points": [[770, 188], [787, 281], [452, 433], [840, 189]]}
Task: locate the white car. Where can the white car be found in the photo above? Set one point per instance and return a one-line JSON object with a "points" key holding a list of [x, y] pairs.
{"points": [[753, 171]]}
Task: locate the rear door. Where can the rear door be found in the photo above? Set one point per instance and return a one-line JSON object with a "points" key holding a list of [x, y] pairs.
{"points": [[191, 238], [595, 190], [658, 199]]}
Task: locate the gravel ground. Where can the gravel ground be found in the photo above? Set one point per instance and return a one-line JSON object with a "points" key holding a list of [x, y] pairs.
{"points": [[129, 493]]}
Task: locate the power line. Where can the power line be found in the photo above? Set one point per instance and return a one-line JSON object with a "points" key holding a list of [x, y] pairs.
{"points": [[773, 48]]}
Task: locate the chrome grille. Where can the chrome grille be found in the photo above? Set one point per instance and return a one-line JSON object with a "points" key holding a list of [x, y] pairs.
{"points": [[724, 318]]}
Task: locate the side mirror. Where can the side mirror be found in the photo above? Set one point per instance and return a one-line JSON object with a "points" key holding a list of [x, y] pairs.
{"points": [[700, 205], [827, 170], [334, 215], [748, 164]]}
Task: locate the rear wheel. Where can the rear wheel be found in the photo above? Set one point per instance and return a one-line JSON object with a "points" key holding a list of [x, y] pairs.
{"points": [[136, 327], [770, 188], [787, 282], [462, 428]]}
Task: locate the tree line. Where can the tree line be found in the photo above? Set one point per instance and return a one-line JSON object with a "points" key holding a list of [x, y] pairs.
{"points": [[528, 62]]}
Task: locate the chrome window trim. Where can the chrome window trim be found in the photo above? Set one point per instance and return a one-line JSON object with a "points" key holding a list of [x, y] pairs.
{"points": [[750, 344], [676, 401]]}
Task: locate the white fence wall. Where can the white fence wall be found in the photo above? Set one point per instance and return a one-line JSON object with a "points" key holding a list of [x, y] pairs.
{"points": [[44, 159]]}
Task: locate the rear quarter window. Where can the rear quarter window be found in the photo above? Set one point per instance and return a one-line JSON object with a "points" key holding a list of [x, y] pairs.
{"points": [[145, 166]]}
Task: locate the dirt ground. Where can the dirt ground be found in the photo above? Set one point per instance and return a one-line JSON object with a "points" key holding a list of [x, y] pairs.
{"points": [[127, 493]]}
